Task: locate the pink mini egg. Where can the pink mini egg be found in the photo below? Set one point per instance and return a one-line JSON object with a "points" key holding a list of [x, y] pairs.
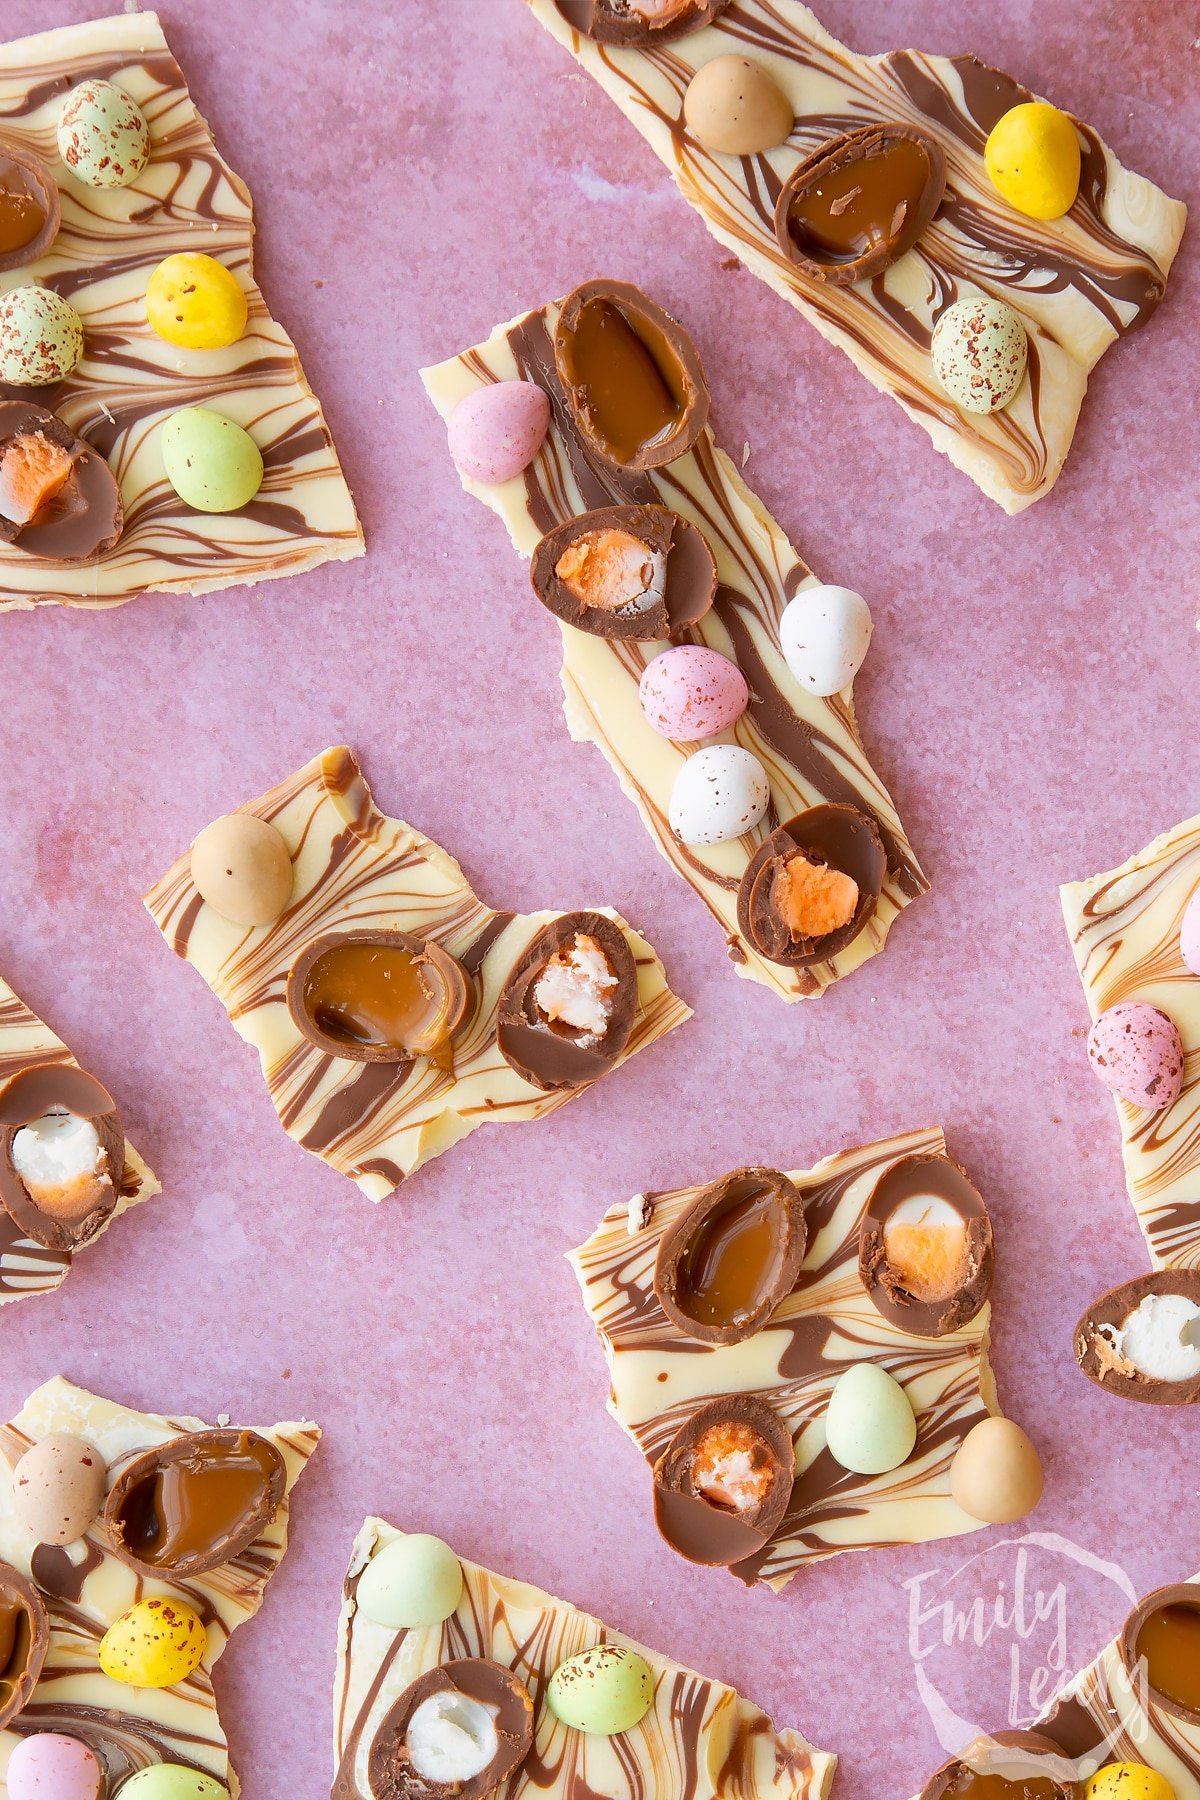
{"points": [[50, 1766], [1189, 934], [496, 432], [1137, 1053], [691, 692]]}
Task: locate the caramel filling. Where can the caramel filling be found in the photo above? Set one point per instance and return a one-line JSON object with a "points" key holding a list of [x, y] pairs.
{"points": [[733, 1467], [630, 393], [860, 204], [732, 1260], [612, 571], [1169, 1644], [22, 214], [813, 899], [32, 471], [966, 1784], [16, 1642], [193, 1505], [925, 1242], [379, 996]]}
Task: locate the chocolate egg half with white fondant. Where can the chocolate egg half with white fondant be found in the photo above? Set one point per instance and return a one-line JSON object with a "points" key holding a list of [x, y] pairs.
{"points": [[726, 1263], [460, 1729], [568, 1007], [644, 22], [378, 996], [860, 202], [24, 1640], [59, 500], [722, 1485], [812, 885], [1012, 1765], [195, 1502], [625, 572], [1142, 1340], [926, 1253], [630, 374], [62, 1154], [1160, 1647], [30, 211]]}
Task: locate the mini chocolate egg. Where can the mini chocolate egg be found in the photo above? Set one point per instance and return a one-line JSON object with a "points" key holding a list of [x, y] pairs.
{"points": [[495, 432], [196, 303], [241, 867], [1127, 1781], [102, 135], [870, 1426], [58, 1488], [414, 1582], [691, 692], [825, 633], [1033, 158], [154, 1645], [41, 337], [211, 463], [996, 1475], [51, 1766], [1136, 1051], [719, 793], [606, 1690], [734, 106], [980, 352], [172, 1781], [1189, 934]]}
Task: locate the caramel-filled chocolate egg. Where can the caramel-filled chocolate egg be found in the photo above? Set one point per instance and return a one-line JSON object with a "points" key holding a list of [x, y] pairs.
{"points": [[568, 1007], [378, 996], [860, 202], [996, 1475], [722, 1485], [719, 793], [630, 374], [1142, 1340], [59, 500], [102, 135], [30, 212], [58, 1488], [191, 1504], [604, 1691], [154, 1644], [460, 1729], [1012, 1765], [51, 1766], [734, 106], [870, 1426], [62, 1154], [242, 869], [1160, 1647], [812, 886], [926, 1252], [1136, 1051], [645, 22], [24, 1640], [41, 337], [625, 572], [726, 1263], [414, 1582]]}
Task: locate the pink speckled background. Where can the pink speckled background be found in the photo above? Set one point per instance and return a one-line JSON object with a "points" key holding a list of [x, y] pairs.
{"points": [[1030, 696]]}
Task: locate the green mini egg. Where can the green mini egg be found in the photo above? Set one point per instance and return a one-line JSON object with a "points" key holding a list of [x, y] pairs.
{"points": [[606, 1690], [211, 463], [869, 1423], [172, 1781], [412, 1582]]}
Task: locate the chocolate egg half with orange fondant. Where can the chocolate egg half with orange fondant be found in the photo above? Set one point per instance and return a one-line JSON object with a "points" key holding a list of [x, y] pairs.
{"points": [[726, 1263], [378, 996], [722, 1485], [630, 374], [460, 1730], [62, 1154], [195, 1502], [926, 1253], [639, 22], [568, 1007], [59, 499], [625, 572], [24, 1641], [812, 885], [1160, 1647], [1012, 1765], [1142, 1340], [30, 211], [860, 202]]}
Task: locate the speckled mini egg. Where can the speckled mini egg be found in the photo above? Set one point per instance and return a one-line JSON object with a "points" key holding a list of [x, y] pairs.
{"points": [[241, 867], [172, 1781], [51, 1766], [102, 135], [58, 1488], [41, 337], [210, 461], [606, 1690], [996, 1475], [734, 106], [1127, 1781], [870, 1426], [154, 1645], [719, 792], [691, 692], [825, 633], [1189, 934], [196, 303], [980, 352], [495, 432], [412, 1583], [1136, 1051]]}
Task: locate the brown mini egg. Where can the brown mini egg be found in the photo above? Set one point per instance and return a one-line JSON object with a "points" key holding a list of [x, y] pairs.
{"points": [[996, 1475], [242, 868], [733, 106], [58, 1488]]}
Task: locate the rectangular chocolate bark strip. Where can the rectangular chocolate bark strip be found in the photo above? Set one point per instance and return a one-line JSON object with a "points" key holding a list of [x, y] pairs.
{"points": [[357, 869], [1078, 284], [809, 747], [130, 381], [1124, 932], [700, 1740]]}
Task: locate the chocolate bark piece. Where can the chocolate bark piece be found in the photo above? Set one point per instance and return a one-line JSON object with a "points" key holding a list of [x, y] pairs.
{"points": [[194, 1503], [392, 1773], [1160, 1648], [549, 1053], [631, 376], [860, 202], [1011, 1765], [627, 22], [1101, 1360], [690, 1480], [836, 837], [378, 996], [61, 1219], [680, 576], [946, 1298], [86, 516], [24, 1641], [30, 210], [727, 1262]]}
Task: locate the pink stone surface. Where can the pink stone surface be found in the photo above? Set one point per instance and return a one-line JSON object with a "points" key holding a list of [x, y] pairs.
{"points": [[1030, 696]]}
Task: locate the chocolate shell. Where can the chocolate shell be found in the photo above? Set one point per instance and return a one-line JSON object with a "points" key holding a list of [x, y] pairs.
{"points": [[990, 1770], [618, 22], [860, 202], [838, 836], [701, 1529], [86, 517], [1160, 1647], [194, 1503], [630, 374], [28, 191], [1104, 1365], [24, 1640], [390, 1771], [378, 996], [928, 1315], [83, 1209], [685, 568], [726, 1263], [552, 1055]]}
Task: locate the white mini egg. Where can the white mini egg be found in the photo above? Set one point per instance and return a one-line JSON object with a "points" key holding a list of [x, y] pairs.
{"points": [[720, 792], [825, 634]]}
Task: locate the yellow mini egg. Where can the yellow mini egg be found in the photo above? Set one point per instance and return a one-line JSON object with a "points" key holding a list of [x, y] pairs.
{"points": [[1128, 1781], [1033, 159], [154, 1645], [194, 302]]}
